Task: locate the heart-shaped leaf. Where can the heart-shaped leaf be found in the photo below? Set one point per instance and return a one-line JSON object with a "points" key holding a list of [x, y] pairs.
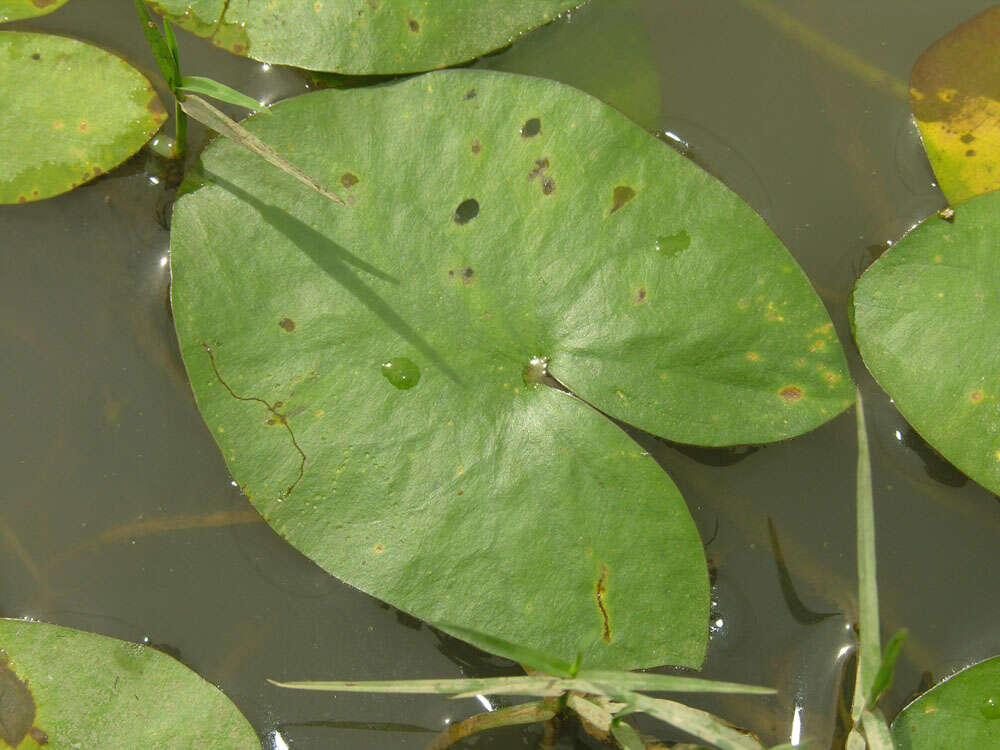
{"points": [[370, 371], [361, 36], [963, 711], [14, 10], [64, 688], [955, 95], [927, 316], [69, 112]]}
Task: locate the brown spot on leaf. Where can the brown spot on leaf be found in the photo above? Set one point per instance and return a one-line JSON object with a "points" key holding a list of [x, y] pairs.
{"points": [[967, 138], [977, 396], [621, 195], [531, 128], [379, 549], [540, 166], [38, 736], [17, 706], [414, 25], [470, 94], [155, 106], [348, 180], [752, 356], [476, 146], [22, 199], [600, 592], [239, 48], [791, 393], [548, 186], [971, 152], [36, 56], [287, 323], [82, 127], [640, 296]]}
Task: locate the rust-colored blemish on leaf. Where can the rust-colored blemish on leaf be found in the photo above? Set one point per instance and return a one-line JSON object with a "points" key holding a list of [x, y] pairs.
{"points": [[379, 549], [476, 146], [414, 25], [621, 195], [348, 180], [753, 356], [600, 592], [791, 393], [82, 126], [640, 296], [155, 106], [977, 396], [287, 324]]}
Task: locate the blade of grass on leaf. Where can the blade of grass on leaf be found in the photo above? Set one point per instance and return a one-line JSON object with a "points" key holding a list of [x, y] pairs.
{"points": [[161, 51], [529, 657], [699, 723], [883, 678], [869, 651], [211, 117], [220, 91], [460, 688], [626, 736], [667, 683], [168, 35]]}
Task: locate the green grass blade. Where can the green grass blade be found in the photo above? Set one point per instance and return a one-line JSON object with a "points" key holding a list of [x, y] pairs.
{"points": [[699, 723], [529, 657], [667, 683], [158, 45], [883, 678], [876, 731], [542, 686], [626, 736], [869, 651], [216, 90], [168, 35], [211, 117]]}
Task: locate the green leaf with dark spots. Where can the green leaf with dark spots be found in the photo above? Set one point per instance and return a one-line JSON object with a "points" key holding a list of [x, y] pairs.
{"points": [[963, 711], [479, 496], [63, 688], [955, 95], [927, 318], [69, 112], [14, 10], [362, 36]]}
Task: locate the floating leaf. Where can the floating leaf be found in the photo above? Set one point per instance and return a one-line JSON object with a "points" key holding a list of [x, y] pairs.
{"points": [[927, 314], [962, 711], [13, 10], [498, 226], [65, 688], [955, 95], [361, 36], [69, 112]]}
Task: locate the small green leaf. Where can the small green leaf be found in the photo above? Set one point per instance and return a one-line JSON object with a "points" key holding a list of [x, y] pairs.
{"points": [[927, 319], [529, 685], [14, 10], [963, 711], [168, 34], [884, 676], [69, 112], [626, 736], [162, 53], [216, 90], [667, 683], [529, 657], [64, 688]]}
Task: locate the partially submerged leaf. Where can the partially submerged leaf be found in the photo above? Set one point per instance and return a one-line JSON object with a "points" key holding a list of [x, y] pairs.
{"points": [[961, 712], [14, 10], [927, 316], [883, 678], [362, 36], [65, 688], [955, 95], [69, 112], [371, 373]]}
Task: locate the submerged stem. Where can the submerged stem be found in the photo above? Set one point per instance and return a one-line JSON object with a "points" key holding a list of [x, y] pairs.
{"points": [[180, 132], [526, 713]]}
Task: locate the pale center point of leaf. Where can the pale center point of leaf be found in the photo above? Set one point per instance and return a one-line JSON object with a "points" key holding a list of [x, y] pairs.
{"points": [[536, 371]]}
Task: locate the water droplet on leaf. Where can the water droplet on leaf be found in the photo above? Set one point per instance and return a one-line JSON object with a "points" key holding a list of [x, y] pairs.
{"points": [[403, 373]]}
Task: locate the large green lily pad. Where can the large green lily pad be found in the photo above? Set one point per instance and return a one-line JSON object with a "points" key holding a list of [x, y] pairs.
{"points": [[362, 36], [64, 688], [927, 318], [366, 370], [955, 95], [14, 10], [961, 712], [69, 112]]}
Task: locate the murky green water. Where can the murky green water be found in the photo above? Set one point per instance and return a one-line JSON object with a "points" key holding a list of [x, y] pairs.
{"points": [[118, 515]]}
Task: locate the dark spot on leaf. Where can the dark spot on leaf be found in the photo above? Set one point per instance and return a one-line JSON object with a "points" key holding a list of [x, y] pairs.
{"points": [[968, 138], [621, 195], [467, 211], [287, 323], [548, 186], [35, 193], [640, 296], [239, 48], [467, 274], [17, 706], [38, 736], [22, 199], [791, 393], [531, 128], [36, 56], [600, 591], [414, 26], [540, 166], [977, 396], [348, 180], [470, 94], [155, 106], [82, 126], [476, 146], [970, 152]]}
